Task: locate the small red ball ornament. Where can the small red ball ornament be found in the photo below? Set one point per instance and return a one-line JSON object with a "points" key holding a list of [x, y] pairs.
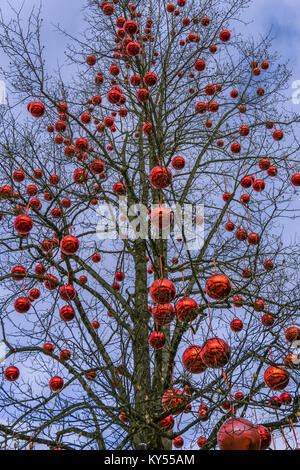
{"points": [[157, 340], [201, 442], [296, 179], [160, 177], [236, 325], [69, 245], [178, 442], [22, 305], [265, 437], [162, 291], [292, 334], [67, 293], [276, 378], [267, 320], [36, 109], [18, 273], [218, 287], [238, 434], [278, 135], [133, 49], [163, 314], [48, 347], [215, 353], [253, 239], [67, 313], [12, 373], [178, 163], [23, 224], [119, 189], [173, 399], [56, 384], [225, 35]]}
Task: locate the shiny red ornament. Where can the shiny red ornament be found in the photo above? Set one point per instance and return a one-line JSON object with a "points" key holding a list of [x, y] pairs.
{"points": [[276, 378], [18, 176], [215, 353], [22, 305], [238, 396], [69, 245], [186, 309], [267, 320], [178, 442], [259, 185], [119, 276], [167, 423], [82, 144], [247, 181], [143, 95], [160, 177], [97, 167], [268, 265], [51, 283], [236, 325], [65, 355], [18, 273], [253, 239], [173, 399], [178, 163], [91, 60], [200, 65], [67, 313], [201, 441], [265, 437], [56, 384], [34, 294], [272, 171], [241, 235], [48, 347], [91, 375], [218, 286], [67, 292], [36, 109], [96, 258], [119, 189], [191, 360], [157, 340], [237, 301], [161, 217], [23, 224], [238, 434], [163, 314], [225, 35], [292, 334], [278, 135], [236, 148], [150, 79], [296, 179], [12, 373], [162, 291], [133, 49]]}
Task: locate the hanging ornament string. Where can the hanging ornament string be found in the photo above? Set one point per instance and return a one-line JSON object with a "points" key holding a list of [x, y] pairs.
{"points": [[210, 324], [295, 436], [285, 441], [183, 282], [230, 396]]}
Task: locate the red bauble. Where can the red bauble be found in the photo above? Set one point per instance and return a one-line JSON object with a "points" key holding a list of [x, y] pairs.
{"points": [[23, 224], [186, 309], [119, 276], [200, 65], [264, 163], [238, 434], [238, 301], [267, 320], [276, 378], [225, 35], [91, 375], [80, 176], [201, 441], [82, 144], [215, 353], [18, 176], [272, 171], [91, 60], [236, 148], [178, 163], [65, 355], [36, 109], [278, 135], [247, 181], [51, 283], [157, 340], [191, 360], [241, 235], [218, 287], [160, 177], [133, 49], [172, 399], [150, 79], [229, 226], [97, 167], [292, 334], [265, 437], [34, 294], [285, 398], [123, 417], [48, 347], [296, 179], [22, 305], [268, 265], [119, 189], [18, 273], [11, 373], [236, 325], [67, 292], [143, 95], [167, 423], [178, 442], [163, 314], [238, 396], [96, 258], [69, 245], [259, 185], [131, 27], [253, 239], [162, 291], [67, 313], [95, 325], [56, 384]]}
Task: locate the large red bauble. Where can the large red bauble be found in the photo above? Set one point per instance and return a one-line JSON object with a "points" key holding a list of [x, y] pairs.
{"points": [[167, 423], [162, 291], [172, 399], [34, 294], [22, 305], [114, 96], [150, 79], [97, 167], [80, 176], [259, 185], [225, 35], [268, 265], [157, 340], [247, 181], [276, 378], [191, 360], [163, 314], [69, 245], [119, 189], [36, 109], [278, 135], [186, 309], [51, 283], [218, 287], [296, 179], [241, 235], [178, 442], [67, 313], [131, 27], [18, 273], [292, 334], [11, 373], [200, 65], [160, 177], [236, 325], [264, 164], [265, 437], [267, 320], [23, 224], [56, 384], [161, 217], [215, 353], [18, 176], [178, 163], [238, 434], [67, 292], [236, 147], [133, 49], [82, 144], [143, 95]]}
